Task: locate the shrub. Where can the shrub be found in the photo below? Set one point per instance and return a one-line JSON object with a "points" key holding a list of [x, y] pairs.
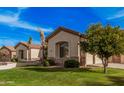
{"points": [[51, 62], [14, 59], [71, 64], [46, 63]]}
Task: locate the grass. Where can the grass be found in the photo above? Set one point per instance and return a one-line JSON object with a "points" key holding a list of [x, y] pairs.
{"points": [[36, 76]]}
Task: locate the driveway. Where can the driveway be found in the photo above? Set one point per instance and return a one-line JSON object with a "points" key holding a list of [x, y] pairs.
{"points": [[112, 65], [7, 65]]}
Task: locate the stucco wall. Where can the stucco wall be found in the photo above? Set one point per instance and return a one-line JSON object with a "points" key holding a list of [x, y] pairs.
{"points": [[89, 59], [97, 60], [13, 54], [21, 47], [35, 53], [72, 40], [28, 63]]}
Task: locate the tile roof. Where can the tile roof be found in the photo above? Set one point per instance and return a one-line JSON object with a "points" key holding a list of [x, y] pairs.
{"points": [[66, 30], [11, 48], [35, 46]]}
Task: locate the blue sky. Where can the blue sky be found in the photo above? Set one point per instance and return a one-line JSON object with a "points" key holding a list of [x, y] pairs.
{"points": [[18, 24]]}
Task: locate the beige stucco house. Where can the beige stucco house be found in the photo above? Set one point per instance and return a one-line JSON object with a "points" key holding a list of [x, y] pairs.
{"points": [[64, 44], [9, 50], [25, 51]]}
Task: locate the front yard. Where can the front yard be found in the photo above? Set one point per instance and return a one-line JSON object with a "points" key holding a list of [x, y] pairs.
{"points": [[60, 76]]}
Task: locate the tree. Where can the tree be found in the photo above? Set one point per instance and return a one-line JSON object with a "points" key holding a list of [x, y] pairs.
{"points": [[43, 47], [30, 40], [104, 41]]}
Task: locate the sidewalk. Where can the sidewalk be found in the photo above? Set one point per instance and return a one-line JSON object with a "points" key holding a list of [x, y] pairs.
{"points": [[111, 65]]}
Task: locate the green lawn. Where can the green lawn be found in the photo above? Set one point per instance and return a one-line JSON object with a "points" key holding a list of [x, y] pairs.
{"points": [[60, 76]]}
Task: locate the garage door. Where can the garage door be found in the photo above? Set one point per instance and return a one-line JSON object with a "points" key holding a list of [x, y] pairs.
{"points": [[116, 59], [89, 59]]}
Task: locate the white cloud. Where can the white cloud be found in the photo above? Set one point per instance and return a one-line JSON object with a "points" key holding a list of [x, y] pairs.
{"points": [[8, 42], [13, 20], [36, 42], [22, 8], [117, 15], [11, 42], [3, 37]]}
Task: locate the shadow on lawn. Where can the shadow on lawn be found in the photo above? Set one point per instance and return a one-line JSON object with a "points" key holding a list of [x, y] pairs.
{"points": [[93, 83], [119, 81], [40, 69], [115, 81]]}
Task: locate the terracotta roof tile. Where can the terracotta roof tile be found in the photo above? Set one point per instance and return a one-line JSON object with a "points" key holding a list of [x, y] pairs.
{"points": [[63, 29], [35, 46], [11, 48]]}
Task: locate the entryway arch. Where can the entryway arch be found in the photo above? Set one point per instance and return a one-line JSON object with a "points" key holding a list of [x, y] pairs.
{"points": [[62, 49]]}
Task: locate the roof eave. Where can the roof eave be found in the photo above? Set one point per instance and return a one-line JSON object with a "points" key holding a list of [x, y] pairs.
{"points": [[62, 29]]}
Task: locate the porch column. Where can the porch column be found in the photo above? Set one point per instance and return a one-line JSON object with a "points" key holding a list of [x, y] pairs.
{"points": [[94, 58], [57, 51], [122, 58]]}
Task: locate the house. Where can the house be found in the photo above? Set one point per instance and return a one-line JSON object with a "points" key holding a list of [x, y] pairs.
{"points": [[25, 51], [64, 44], [10, 50]]}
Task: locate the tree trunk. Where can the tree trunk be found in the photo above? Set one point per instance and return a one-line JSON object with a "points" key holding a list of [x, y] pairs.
{"points": [[105, 64], [105, 69]]}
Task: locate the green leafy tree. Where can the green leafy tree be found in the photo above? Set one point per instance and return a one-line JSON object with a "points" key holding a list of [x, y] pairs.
{"points": [[30, 40], [104, 41]]}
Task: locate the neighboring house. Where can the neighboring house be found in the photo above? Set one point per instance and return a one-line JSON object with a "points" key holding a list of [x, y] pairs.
{"points": [[10, 50], [64, 44], [25, 51]]}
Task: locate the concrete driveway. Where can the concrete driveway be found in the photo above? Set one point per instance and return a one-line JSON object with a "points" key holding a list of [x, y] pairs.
{"points": [[115, 65], [8, 65], [112, 65]]}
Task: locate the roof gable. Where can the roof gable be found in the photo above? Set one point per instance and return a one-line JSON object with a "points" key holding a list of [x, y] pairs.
{"points": [[22, 43], [32, 46], [62, 29], [10, 48]]}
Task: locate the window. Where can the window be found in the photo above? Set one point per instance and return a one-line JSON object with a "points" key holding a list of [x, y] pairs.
{"points": [[63, 49], [21, 53]]}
